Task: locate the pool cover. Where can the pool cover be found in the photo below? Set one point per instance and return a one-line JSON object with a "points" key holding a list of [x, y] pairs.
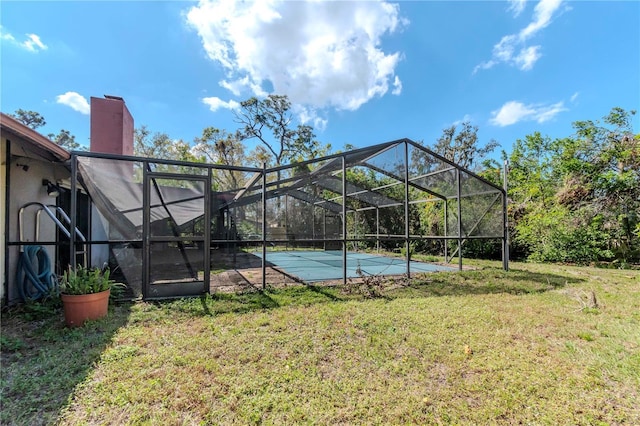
{"points": [[313, 266]]}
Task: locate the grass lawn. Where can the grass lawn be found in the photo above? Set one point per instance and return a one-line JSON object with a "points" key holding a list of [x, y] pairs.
{"points": [[476, 347]]}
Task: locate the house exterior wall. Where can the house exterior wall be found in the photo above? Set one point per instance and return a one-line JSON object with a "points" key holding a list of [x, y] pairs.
{"points": [[3, 195], [25, 177]]}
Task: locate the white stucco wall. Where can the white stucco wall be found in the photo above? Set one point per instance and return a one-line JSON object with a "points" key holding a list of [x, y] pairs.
{"points": [[3, 190], [25, 186]]}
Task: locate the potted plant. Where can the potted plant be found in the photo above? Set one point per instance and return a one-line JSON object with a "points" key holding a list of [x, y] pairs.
{"points": [[85, 294]]}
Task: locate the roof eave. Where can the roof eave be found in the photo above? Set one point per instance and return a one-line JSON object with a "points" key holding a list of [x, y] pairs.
{"points": [[40, 142]]}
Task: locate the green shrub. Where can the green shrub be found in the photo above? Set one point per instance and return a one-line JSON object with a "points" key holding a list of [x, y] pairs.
{"points": [[85, 280]]}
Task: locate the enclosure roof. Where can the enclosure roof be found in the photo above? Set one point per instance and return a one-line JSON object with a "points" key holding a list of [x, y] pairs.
{"points": [[437, 176], [371, 175]]}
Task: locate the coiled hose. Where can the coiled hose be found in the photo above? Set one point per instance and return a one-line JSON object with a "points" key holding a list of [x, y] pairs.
{"points": [[34, 276]]}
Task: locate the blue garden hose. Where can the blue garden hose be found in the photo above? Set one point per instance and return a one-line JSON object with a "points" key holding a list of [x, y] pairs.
{"points": [[34, 277]]}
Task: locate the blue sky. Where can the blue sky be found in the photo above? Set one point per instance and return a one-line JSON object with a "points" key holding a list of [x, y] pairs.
{"points": [[359, 72]]}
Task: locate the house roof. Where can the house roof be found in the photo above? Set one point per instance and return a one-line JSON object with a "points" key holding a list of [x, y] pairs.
{"points": [[38, 144]]}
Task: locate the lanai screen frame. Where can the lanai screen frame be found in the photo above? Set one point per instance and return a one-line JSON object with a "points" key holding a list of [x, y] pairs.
{"points": [[260, 190]]}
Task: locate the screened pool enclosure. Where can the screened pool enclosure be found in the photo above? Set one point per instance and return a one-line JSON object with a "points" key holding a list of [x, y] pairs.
{"points": [[171, 229]]}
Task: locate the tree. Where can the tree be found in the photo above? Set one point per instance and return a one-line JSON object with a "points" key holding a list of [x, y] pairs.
{"points": [[458, 144], [269, 120], [461, 146], [603, 159], [259, 156], [531, 172], [66, 140], [160, 145], [35, 120], [219, 147], [29, 118], [600, 166], [146, 144], [577, 198]]}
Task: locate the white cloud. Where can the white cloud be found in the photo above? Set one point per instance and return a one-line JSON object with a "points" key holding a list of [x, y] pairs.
{"points": [[216, 103], [74, 100], [484, 66], [542, 14], [7, 36], [527, 57], [466, 118], [32, 43], [397, 86], [517, 6], [310, 115], [505, 50], [235, 87], [574, 97], [513, 112], [319, 54]]}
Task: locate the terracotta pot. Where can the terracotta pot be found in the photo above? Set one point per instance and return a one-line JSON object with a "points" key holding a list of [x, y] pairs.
{"points": [[79, 308]]}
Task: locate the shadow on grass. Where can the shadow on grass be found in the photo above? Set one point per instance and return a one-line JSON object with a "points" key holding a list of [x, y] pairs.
{"points": [[486, 281], [43, 361], [324, 292], [219, 303], [477, 282]]}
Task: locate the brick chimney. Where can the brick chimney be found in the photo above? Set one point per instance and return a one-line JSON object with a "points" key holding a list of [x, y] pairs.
{"points": [[111, 126]]}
